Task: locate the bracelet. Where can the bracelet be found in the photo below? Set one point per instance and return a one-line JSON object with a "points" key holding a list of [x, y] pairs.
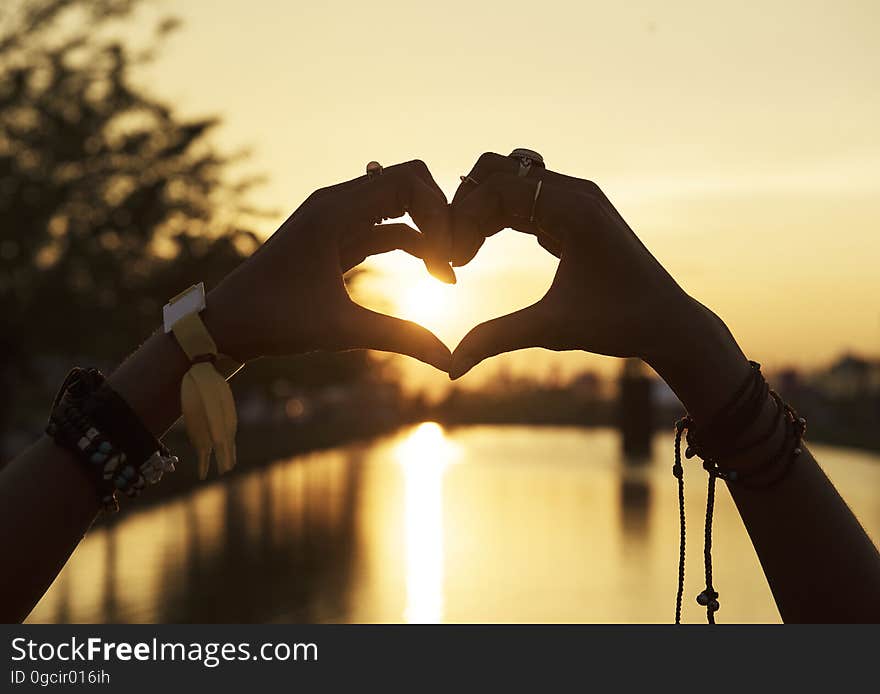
{"points": [[717, 441], [117, 452], [767, 434], [789, 449], [732, 420]]}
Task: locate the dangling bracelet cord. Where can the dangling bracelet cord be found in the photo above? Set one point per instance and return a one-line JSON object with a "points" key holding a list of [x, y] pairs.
{"points": [[712, 443]]}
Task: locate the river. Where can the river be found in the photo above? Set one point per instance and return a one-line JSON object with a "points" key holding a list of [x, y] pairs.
{"points": [[473, 524]]}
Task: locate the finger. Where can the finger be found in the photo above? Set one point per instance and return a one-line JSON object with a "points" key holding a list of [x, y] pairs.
{"points": [[491, 163], [366, 329], [517, 330], [422, 171], [378, 239], [464, 243], [406, 188], [504, 200], [551, 245], [439, 241], [488, 164]]}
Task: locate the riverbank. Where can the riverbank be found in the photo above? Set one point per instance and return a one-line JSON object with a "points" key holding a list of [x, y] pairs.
{"points": [[261, 445]]}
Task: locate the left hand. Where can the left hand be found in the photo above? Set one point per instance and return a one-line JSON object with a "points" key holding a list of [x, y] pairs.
{"points": [[609, 296], [289, 297]]}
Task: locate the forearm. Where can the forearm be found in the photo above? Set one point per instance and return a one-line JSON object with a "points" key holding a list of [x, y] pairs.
{"points": [[47, 502], [819, 562], [287, 298], [46, 506]]}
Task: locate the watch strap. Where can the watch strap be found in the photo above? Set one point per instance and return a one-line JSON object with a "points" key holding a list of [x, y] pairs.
{"points": [[205, 397]]}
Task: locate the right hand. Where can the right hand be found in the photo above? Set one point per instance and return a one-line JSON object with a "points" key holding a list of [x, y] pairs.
{"points": [[289, 297], [609, 296]]}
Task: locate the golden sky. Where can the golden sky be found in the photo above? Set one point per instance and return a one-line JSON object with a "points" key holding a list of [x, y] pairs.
{"points": [[739, 140]]}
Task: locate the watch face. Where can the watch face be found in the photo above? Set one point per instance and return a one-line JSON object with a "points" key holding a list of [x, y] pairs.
{"points": [[190, 301]]}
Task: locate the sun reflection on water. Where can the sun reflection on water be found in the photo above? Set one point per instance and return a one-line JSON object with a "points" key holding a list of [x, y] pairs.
{"points": [[425, 454]]}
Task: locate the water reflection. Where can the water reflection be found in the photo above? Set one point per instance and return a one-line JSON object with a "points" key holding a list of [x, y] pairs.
{"points": [[635, 506], [473, 524], [424, 455]]}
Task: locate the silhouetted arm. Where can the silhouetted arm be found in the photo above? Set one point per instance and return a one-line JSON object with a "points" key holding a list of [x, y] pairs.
{"points": [[818, 560], [47, 502], [288, 298], [611, 296]]}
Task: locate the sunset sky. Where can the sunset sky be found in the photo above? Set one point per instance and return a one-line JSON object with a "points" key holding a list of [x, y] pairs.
{"points": [[740, 141]]}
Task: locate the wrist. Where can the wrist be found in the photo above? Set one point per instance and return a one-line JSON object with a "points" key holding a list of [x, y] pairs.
{"points": [[149, 380], [219, 319], [701, 361]]}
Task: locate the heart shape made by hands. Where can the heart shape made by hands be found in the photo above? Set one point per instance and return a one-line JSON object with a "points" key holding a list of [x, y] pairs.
{"points": [[510, 272], [608, 294]]}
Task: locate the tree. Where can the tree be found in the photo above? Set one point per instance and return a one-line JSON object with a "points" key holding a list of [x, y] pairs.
{"points": [[109, 203], [107, 198]]}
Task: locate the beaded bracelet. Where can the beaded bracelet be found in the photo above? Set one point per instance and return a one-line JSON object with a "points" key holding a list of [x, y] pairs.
{"points": [[117, 452], [713, 443]]}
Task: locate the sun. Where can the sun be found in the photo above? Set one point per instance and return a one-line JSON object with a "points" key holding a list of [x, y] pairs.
{"points": [[426, 301]]}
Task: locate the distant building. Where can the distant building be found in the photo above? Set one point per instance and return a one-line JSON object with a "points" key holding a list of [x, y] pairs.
{"points": [[850, 376], [586, 386], [787, 380]]}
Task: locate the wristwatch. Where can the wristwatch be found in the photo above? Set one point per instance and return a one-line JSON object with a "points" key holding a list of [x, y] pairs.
{"points": [[188, 302], [205, 398]]}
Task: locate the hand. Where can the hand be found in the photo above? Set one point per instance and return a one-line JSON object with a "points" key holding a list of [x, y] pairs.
{"points": [[289, 297], [609, 296]]}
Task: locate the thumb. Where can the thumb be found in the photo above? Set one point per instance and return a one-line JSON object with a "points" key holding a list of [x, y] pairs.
{"points": [[517, 330], [368, 329]]}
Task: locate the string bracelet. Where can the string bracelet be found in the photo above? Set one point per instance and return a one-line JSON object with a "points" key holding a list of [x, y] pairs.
{"points": [[719, 440]]}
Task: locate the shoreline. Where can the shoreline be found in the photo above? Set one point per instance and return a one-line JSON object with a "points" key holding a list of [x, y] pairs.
{"points": [[260, 447]]}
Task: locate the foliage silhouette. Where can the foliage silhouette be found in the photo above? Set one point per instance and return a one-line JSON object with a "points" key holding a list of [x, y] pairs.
{"points": [[110, 202]]}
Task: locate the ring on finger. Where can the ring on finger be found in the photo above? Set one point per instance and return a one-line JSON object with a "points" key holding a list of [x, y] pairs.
{"points": [[535, 199], [527, 158], [374, 169]]}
